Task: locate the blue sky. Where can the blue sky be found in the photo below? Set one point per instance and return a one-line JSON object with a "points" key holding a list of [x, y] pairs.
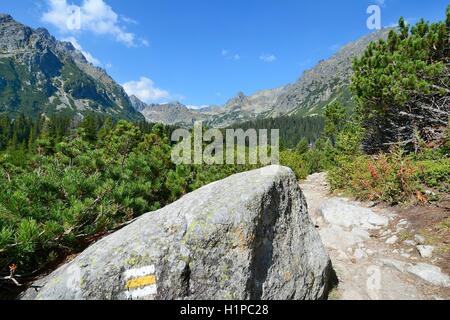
{"points": [[203, 52]]}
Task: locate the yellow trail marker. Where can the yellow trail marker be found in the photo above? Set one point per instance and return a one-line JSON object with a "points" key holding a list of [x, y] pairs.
{"points": [[140, 282]]}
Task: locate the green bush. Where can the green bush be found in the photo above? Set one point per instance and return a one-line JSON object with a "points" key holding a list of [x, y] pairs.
{"points": [[83, 187], [294, 161], [435, 174], [394, 178]]}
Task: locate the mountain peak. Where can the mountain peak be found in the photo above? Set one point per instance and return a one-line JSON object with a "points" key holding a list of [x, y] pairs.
{"points": [[5, 18], [176, 104], [237, 101], [137, 103], [42, 31], [327, 81], [134, 98], [55, 75]]}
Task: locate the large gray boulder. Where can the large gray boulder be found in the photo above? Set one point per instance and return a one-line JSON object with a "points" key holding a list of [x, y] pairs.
{"points": [[246, 237]]}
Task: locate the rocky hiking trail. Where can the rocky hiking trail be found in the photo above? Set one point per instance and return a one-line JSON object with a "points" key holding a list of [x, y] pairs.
{"points": [[366, 244]]}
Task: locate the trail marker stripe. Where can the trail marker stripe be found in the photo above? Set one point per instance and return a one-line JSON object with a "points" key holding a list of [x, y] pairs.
{"points": [[140, 282], [141, 293], [141, 272]]}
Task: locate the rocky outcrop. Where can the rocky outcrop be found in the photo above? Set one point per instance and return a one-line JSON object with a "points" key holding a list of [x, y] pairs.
{"points": [[246, 237]]}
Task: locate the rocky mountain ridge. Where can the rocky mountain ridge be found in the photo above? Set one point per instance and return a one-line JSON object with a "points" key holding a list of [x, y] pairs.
{"points": [[329, 80], [41, 75]]}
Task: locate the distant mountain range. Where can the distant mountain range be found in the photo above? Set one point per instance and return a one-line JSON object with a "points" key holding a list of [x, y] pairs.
{"points": [[329, 80], [40, 75]]}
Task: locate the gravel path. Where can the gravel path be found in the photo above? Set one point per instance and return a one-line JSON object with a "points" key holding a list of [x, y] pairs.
{"points": [[369, 254]]}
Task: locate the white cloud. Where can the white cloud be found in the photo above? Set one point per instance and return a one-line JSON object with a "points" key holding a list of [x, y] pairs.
{"points": [[92, 15], [268, 58], [229, 55], [145, 90], [89, 57], [128, 20], [196, 107], [381, 3], [392, 25], [409, 21]]}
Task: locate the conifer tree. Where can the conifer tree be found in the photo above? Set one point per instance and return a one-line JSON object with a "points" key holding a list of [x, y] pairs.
{"points": [[335, 116], [302, 147], [402, 86]]}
